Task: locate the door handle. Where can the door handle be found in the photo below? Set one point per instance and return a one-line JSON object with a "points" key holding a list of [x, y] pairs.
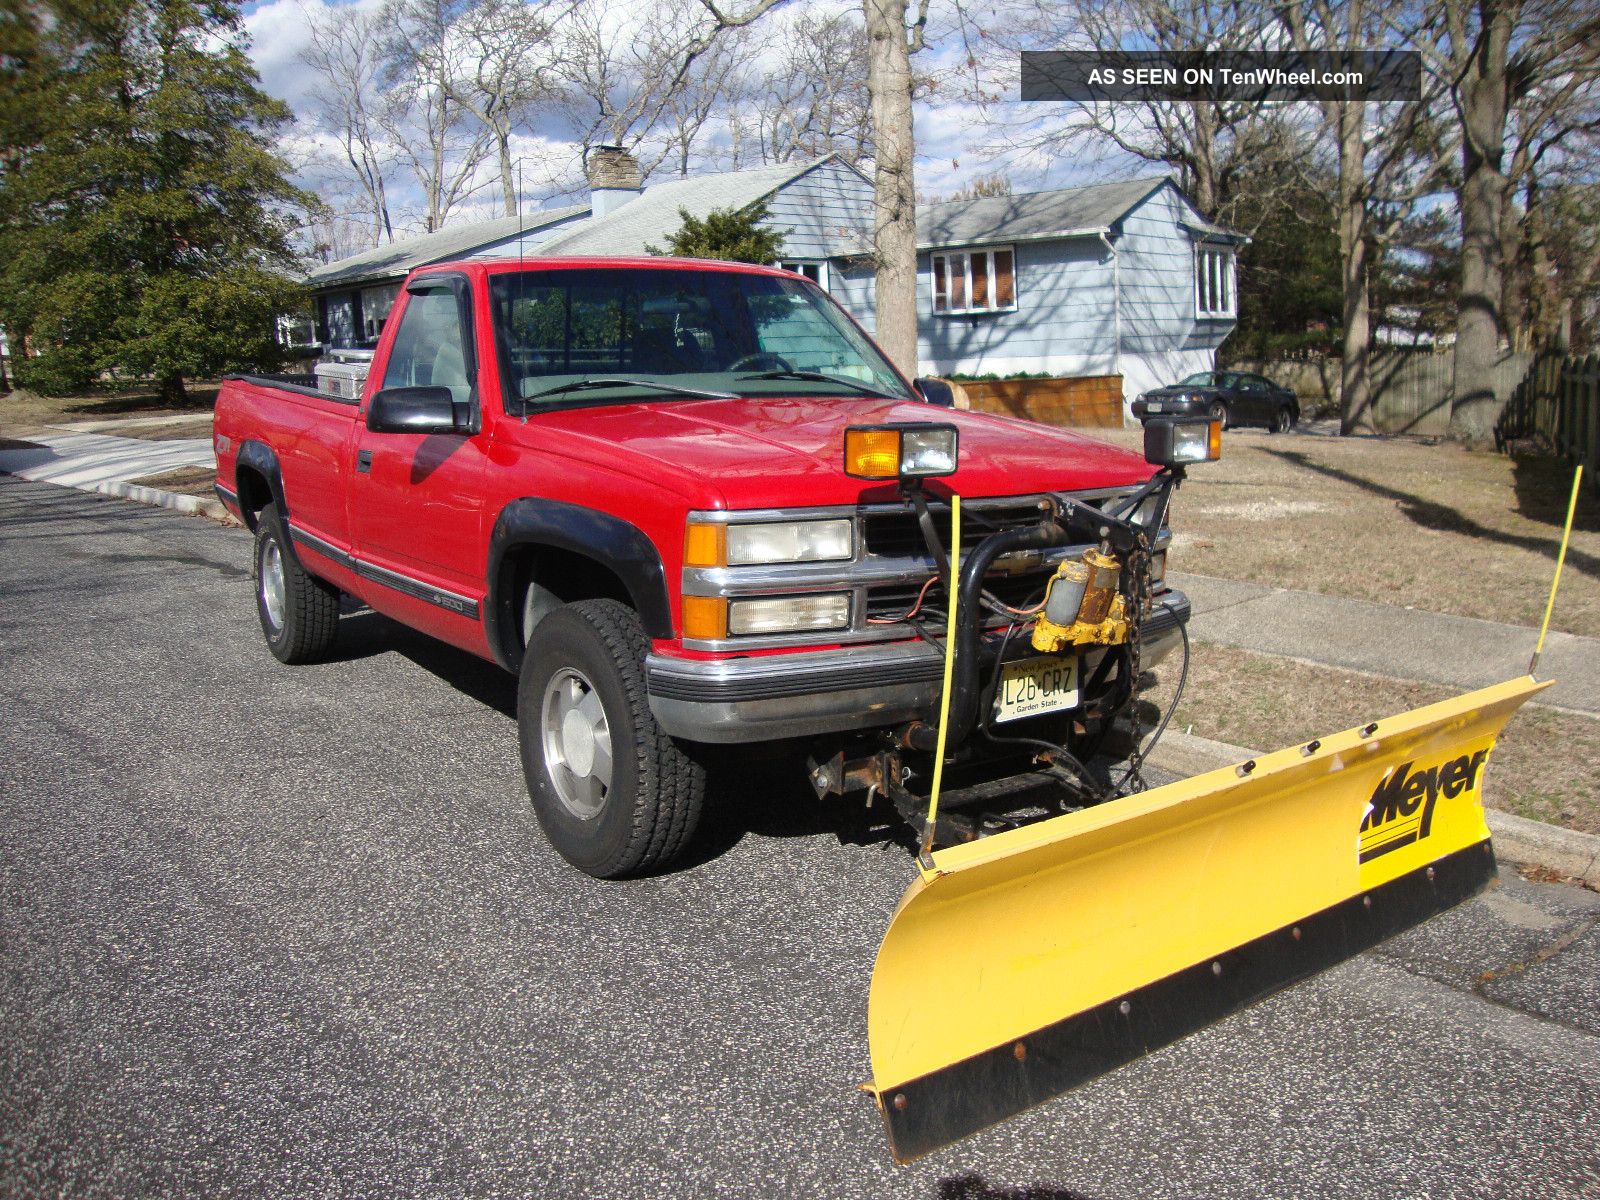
{"points": [[364, 461]]}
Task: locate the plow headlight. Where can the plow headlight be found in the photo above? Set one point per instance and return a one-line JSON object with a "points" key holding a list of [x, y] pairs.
{"points": [[1169, 441], [912, 449]]}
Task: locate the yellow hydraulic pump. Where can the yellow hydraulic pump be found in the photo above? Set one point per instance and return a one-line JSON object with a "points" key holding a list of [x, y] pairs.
{"points": [[1082, 606]]}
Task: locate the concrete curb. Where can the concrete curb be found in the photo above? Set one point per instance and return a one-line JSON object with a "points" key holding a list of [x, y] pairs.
{"points": [[1516, 839], [194, 506]]}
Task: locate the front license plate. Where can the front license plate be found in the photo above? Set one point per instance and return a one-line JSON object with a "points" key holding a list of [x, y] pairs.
{"points": [[1152, 406], [1033, 686]]}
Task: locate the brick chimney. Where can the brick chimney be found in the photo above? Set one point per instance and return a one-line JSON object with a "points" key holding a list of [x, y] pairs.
{"points": [[614, 179]]}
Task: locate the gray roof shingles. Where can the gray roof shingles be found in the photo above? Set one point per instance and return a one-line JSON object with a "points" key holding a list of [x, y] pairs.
{"points": [[651, 219], [1031, 214], [398, 259]]}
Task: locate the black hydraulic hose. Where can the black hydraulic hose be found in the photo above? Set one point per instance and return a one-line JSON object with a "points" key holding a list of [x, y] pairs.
{"points": [[969, 616]]}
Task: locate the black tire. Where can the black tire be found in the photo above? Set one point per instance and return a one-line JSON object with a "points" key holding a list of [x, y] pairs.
{"points": [[642, 817], [1283, 420], [300, 616], [1219, 412]]}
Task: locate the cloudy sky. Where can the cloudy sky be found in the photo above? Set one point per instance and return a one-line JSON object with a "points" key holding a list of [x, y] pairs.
{"points": [[955, 142]]}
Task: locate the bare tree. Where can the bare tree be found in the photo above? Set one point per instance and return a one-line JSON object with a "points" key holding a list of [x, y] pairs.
{"points": [[1372, 155], [1553, 138], [815, 100], [620, 72], [1492, 55], [895, 31], [438, 136], [502, 68], [1208, 144], [716, 86], [346, 56]]}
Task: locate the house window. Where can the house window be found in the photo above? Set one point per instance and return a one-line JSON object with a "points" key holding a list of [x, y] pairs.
{"points": [[814, 269], [1215, 293], [975, 281]]}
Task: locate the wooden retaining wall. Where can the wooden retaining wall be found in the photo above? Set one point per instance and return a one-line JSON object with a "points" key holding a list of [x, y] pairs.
{"points": [[1094, 401]]}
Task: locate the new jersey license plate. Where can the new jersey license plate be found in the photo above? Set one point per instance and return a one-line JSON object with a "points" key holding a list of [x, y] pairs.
{"points": [[1032, 686]]}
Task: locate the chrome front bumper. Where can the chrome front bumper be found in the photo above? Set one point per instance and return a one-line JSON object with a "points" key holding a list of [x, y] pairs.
{"points": [[859, 687]]}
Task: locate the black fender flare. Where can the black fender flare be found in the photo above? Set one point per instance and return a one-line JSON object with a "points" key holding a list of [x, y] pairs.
{"points": [[260, 457], [620, 546]]}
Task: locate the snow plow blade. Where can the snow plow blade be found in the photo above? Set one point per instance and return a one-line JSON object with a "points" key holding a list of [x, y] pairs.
{"points": [[1024, 964]]}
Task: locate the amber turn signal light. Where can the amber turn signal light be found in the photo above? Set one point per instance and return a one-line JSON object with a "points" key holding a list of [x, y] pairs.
{"points": [[907, 449]]}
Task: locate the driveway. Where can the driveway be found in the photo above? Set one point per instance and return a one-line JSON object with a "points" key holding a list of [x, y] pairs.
{"points": [[274, 931]]}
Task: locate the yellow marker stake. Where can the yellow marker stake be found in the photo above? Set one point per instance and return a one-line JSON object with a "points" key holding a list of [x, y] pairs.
{"points": [[949, 672], [1561, 558]]}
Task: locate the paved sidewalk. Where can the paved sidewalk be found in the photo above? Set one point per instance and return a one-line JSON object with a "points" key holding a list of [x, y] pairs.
{"points": [[88, 460], [1383, 639]]}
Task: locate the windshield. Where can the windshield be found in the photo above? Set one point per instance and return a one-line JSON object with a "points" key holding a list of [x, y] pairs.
{"points": [[1201, 379], [717, 331]]}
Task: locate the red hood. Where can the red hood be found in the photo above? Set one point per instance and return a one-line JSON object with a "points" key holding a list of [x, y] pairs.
{"points": [[789, 451]]}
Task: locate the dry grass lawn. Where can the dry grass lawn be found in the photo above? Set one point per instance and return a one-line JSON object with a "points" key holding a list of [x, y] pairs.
{"points": [[1391, 520], [23, 412], [1546, 766], [187, 427], [186, 481]]}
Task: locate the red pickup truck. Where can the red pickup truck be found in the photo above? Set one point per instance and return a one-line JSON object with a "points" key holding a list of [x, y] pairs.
{"points": [[692, 503]]}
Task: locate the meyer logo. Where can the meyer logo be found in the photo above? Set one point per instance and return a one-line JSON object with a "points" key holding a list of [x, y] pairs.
{"points": [[1401, 809]]}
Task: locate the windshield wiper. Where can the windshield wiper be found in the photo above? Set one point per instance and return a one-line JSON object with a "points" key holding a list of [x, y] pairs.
{"points": [[819, 377], [584, 385]]}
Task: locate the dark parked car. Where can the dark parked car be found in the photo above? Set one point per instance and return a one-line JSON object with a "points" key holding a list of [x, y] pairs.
{"points": [[1233, 397]]}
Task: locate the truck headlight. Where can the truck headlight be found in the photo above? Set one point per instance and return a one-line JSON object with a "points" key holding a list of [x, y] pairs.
{"points": [[717, 544], [789, 614], [789, 541], [1148, 511], [907, 449]]}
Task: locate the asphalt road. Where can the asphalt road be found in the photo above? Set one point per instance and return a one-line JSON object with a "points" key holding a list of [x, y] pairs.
{"points": [[292, 931]]}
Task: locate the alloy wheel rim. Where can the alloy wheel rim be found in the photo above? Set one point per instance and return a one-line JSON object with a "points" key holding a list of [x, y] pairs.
{"points": [[576, 735], [273, 585]]}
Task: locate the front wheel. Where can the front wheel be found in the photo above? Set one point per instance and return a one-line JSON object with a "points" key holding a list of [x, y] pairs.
{"points": [[1283, 421], [1219, 412], [614, 794]]}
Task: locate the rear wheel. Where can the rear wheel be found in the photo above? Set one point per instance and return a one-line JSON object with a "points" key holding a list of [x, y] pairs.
{"points": [[299, 613], [1219, 412], [1283, 420], [614, 794]]}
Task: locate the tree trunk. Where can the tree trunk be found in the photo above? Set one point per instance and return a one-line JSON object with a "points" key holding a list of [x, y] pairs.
{"points": [[1355, 382], [1475, 410], [894, 205], [173, 394], [1204, 150], [508, 182]]}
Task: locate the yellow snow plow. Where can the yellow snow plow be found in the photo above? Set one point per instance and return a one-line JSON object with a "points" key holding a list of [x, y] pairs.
{"points": [[1037, 951], [1023, 964]]}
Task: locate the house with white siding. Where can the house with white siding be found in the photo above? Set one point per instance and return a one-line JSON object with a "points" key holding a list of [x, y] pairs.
{"points": [[1117, 279]]}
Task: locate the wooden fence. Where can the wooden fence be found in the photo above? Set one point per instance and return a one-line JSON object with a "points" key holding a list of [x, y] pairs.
{"points": [[1094, 401], [1411, 388], [1559, 404]]}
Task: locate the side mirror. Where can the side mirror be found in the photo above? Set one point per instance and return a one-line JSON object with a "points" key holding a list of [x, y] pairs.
{"points": [[936, 391], [413, 410]]}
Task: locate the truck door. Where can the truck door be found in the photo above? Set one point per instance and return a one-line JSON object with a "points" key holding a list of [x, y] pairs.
{"points": [[416, 499]]}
